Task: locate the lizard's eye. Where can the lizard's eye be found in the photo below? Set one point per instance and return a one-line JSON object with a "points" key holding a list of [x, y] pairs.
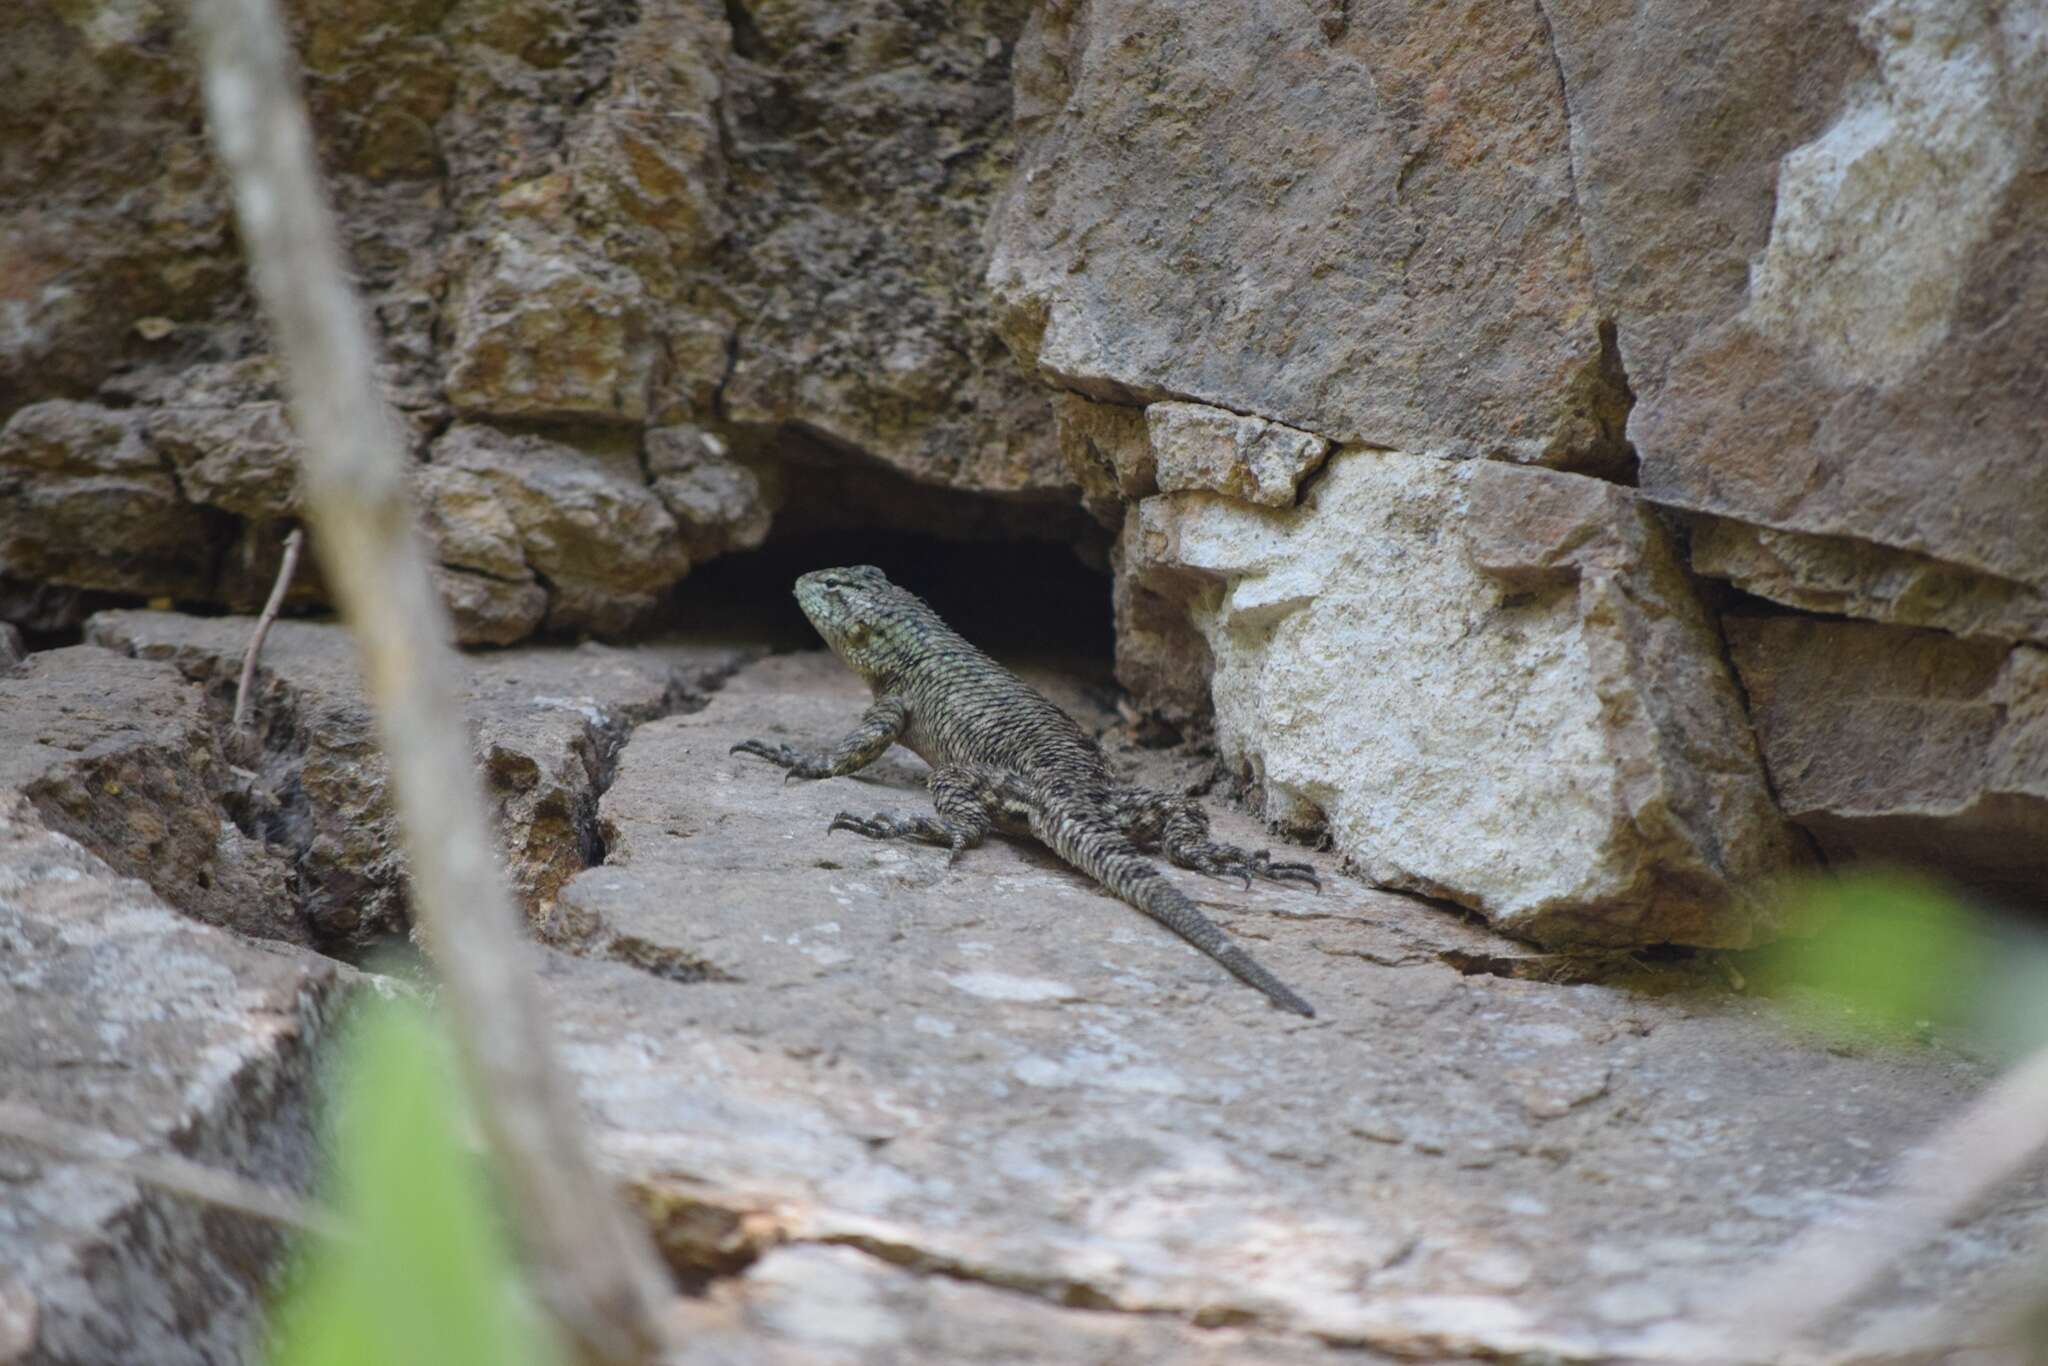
{"points": [[834, 583]]}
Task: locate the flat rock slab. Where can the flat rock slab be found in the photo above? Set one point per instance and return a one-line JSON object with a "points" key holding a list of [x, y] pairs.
{"points": [[995, 1072], [121, 1015]]}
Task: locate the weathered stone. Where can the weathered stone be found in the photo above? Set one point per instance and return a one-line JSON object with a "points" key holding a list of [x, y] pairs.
{"points": [[1829, 278], [490, 611], [12, 648], [1849, 577], [170, 1038], [86, 503], [1107, 451], [242, 459], [1393, 254], [1248, 458], [585, 518], [869, 141], [549, 722], [1161, 656], [1493, 685], [719, 503], [123, 756], [989, 1075], [543, 330], [1906, 746]]}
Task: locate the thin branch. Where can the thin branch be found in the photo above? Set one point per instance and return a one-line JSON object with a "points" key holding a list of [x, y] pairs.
{"points": [[165, 1171], [292, 543], [596, 1271], [1940, 1180]]}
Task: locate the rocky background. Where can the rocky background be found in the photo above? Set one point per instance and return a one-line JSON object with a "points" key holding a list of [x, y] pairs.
{"points": [[1579, 461]]}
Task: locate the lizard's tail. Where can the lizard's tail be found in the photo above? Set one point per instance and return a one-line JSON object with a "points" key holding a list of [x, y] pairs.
{"points": [[1084, 839]]}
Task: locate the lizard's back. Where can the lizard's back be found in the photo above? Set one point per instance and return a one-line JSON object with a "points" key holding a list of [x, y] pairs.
{"points": [[967, 709]]}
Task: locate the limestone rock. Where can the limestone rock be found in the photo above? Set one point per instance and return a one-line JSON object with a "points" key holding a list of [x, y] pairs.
{"points": [[826, 1061], [1247, 458], [1371, 236], [1490, 684], [1849, 577], [720, 504], [1830, 282], [1108, 452], [544, 331], [242, 459], [1906, 746], [87, 503], [549, 724], [12, 648], [170, 1037], [584, 517]]}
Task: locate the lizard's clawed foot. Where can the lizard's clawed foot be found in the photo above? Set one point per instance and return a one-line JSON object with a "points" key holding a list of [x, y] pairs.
{"points": [[1226, 861], [792, 762], [880, 826]]}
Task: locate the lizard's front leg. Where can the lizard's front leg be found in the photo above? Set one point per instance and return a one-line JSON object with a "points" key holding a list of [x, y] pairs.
{"points": [[970, 801], [1182, 830], [880, 727]]}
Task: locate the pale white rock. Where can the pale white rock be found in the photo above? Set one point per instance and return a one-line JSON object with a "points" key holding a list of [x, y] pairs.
{"points": [[1487, 682], [1195, 446]]}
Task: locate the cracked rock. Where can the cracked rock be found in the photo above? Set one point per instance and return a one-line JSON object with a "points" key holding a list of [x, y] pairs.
{"points": [[1247, 458], [1491, 684], [123, 1016]]}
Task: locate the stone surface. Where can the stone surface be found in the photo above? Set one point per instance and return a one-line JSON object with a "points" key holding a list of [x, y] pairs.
{"points": [[1246, 458], [123, 756], [583, 518], [720, 504], [1488, 684], [1906, 746], [13, 649], [1005, 1103], [1365, 229], [549, 724], [1108, 452], [1829, 275], [119, 1014]]}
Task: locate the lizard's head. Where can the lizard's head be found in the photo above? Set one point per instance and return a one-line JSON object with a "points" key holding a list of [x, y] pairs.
{"points": [[855, 610]]}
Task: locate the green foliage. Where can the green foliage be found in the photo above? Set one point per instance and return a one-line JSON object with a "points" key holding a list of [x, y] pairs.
{"points": [[424, 1273], [1897, 951]]}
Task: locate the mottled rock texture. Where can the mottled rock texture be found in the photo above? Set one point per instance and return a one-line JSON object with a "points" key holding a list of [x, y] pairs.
{"points": [[1905, 746], [581, 229], [120, 1015], [1487, 683]]}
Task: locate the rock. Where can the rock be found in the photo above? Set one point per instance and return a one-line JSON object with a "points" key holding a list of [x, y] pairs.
{"points": [[1830, 285], [1247, 458], [869, 141], [1906, 746], [13, 649], [860, 1089], [1844, 576], [549, 724], [584, 517], [123, 756], [1491, 685], [544, 331], [118, 1014], [85, 502], [1372, 237], [1108, 451], [490, 611], [719, 503], [242, 459]]}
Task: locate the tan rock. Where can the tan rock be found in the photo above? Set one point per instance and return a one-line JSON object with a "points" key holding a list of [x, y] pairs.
{"points": [[1248, 458], [544, 330], [1108, 452], [86, 503], [1904, 746], [585, 520], [720, 504], [1370, 236], [242, 459], [490, 611], [1830, 281], [1489, 684]]}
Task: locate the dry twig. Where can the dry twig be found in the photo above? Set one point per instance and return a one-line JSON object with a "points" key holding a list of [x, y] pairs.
{"points": [[596, 1271], [289, 567]]}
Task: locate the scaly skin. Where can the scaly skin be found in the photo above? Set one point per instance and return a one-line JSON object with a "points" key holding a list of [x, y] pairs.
{"points": [[1003, 757]]}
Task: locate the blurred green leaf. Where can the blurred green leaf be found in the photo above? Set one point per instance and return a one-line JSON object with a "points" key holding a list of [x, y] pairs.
{"points": [[1893, 950], [426, 1274]]}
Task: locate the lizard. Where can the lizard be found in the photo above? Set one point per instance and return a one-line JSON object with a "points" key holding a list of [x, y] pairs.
{"points": [[1003, 756]]}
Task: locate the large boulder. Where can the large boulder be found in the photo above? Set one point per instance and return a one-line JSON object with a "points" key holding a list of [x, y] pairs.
{"points": [[1487, 683]]}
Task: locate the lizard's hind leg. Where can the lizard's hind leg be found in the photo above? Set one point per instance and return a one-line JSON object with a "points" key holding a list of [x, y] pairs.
{"points": [[969, 803], [1184, 834]]}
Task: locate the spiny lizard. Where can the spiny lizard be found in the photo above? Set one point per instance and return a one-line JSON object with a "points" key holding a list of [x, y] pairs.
{"points": [[1003, 757]]}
